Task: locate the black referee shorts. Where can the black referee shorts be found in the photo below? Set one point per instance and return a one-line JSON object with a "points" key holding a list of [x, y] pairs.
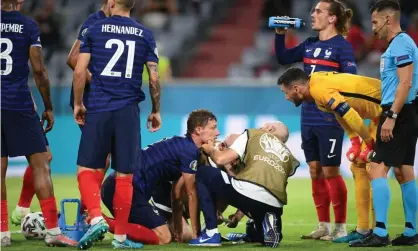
{"points": [[401, 149]]}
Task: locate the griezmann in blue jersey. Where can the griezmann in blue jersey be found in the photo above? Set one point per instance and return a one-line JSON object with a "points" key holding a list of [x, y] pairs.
{"points": [[397, 131], [21, 132], [115, 49], [322, 136], [173, 159]]}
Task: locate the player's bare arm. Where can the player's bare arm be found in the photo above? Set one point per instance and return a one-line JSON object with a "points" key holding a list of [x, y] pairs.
{"points": [[219, 157], [352, 119], [154, 119], [40, 74], [405, 84], [73, 57], [189, 181], [177, 206], [79, 81]]}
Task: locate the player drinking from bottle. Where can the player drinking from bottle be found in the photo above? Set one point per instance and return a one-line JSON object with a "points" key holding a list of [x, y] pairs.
{"points": [[322, 137]]}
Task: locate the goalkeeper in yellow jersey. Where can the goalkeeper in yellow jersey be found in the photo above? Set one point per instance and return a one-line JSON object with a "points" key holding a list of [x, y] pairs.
{"points": [[352, 98]]}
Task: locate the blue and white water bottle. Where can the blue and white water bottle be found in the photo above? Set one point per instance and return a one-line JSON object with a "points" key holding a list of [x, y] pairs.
{"points": [[286, 22]]}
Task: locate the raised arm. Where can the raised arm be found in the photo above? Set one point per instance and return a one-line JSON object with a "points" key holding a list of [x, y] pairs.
{"points": [[284, 55]]}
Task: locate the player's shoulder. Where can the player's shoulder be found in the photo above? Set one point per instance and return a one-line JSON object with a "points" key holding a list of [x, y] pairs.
{"points": [[146, 31], [318, 81], [26, 21], [340, 41], [311, 40]]}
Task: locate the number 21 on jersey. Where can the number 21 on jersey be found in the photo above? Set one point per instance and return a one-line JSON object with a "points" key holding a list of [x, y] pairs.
{"points": [[107, 71]]}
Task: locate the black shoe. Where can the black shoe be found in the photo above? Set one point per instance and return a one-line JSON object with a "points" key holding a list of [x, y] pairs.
{"points": [[402, 240], [373, 240]]}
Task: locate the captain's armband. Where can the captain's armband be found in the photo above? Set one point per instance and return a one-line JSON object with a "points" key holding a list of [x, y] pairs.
{"points": [[340, 108]]}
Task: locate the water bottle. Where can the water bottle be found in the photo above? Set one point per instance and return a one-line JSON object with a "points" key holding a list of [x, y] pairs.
{"points": [[286, 22]]}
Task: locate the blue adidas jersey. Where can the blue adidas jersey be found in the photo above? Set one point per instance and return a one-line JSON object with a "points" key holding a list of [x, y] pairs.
{"points": [[401, 51], [119, 48], [93, 18], [335, 54], [166, 160], [18, 34]]}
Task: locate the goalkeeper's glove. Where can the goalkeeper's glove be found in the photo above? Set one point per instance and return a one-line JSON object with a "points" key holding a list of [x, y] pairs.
{"points": [[367, 152], [354, 150]]}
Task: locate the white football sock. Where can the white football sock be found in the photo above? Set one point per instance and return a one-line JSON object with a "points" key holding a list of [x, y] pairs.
{"points": [[212, 232], [96, 220], [120, 237]]}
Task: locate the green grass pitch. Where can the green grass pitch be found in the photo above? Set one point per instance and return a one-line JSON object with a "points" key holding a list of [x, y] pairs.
{"points": [[299, 218]]}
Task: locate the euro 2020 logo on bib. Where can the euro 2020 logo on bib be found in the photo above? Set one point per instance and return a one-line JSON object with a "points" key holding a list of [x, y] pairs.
{"points": [[271, 144]]}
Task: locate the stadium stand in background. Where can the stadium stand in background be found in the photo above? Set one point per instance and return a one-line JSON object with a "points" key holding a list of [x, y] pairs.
{"points": [[211, 39]]}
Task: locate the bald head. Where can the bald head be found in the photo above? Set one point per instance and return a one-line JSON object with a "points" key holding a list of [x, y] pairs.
{"points": [[230, 139], [278, 128]]}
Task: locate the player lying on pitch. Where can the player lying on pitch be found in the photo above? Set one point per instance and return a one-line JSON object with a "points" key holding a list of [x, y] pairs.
{"points": [[352, 98], [258, 190], [164, 161]]}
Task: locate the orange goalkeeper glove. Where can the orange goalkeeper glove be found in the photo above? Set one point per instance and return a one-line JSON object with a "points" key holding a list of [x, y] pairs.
{"points": [[354, 150], [367, 152]]}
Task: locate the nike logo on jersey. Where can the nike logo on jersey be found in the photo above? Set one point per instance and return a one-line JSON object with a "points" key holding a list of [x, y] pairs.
{"points": [[331, 156]]}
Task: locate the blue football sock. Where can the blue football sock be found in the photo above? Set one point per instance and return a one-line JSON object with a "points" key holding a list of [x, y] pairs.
{"points": [[409, 198], [207, 205], [381, 200]]}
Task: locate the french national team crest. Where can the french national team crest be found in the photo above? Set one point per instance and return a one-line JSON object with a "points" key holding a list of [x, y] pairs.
{"points": [[316, 52]]}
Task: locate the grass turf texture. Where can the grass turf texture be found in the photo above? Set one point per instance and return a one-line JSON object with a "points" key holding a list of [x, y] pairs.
{"points": [[299, 218]]}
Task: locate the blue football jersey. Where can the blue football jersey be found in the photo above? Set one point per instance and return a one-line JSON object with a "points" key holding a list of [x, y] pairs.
{"points": [[335, 54], [93, 18], [166, 160], [18, 34], [119, 48], [402, 50]]}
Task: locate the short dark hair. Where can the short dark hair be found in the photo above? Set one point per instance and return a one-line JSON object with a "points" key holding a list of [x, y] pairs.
{"points": [[381, 5], [199, 117], [292, 74], [128, 4]]}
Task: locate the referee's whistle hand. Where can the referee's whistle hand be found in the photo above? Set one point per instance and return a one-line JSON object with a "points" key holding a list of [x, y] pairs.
{"points": [[80, 114], [387, 129]]}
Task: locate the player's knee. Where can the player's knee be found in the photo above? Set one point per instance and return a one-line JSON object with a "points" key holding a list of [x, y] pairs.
{"points": [[165, 238], [376, 170], [398, 175], [330, 171], [49, 157], [315, 170], [405, 173], [163, 234]]}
